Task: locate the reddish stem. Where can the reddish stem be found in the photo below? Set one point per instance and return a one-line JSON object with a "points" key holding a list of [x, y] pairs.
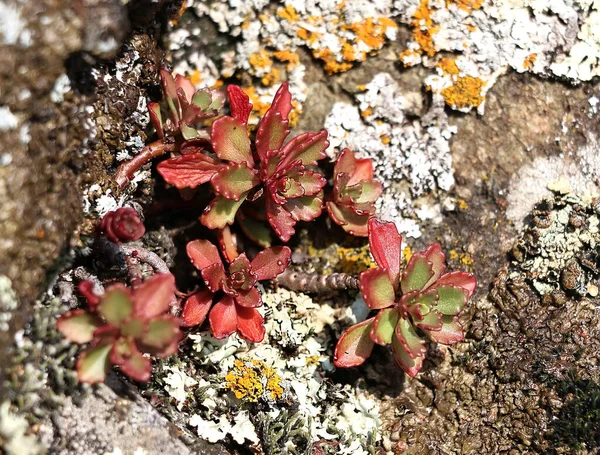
{"points": [[149, 152]]}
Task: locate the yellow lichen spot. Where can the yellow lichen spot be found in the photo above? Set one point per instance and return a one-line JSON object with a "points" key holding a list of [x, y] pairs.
{"points": [[196, 77], [448, 66], [218, 84], [367, 112], [463, 258], [462, 205], [529, 61], [466, 92], [466, 5], [294, 114], [348, 52], [288, 13], [471, 28], [291, 58], [260, 59], [408, 57], [406, 254], [453, 255], [361, 87], [313, 360], [272, 77], [354, 260], [385, 139], [332, 66], [302, 33], [252, 380]]}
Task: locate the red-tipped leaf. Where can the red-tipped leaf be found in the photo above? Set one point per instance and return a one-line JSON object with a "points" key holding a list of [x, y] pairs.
{"points": [[463, 280], [230, 141], [354, 346], [384, 326], [270, 263], [273, 128], [223, 318], [450, 333], [386, 247], [376, 288], [196, 308], [239, 103], [234, 180], [188, 171], [78, 326], [417, 274], [154, 295]]}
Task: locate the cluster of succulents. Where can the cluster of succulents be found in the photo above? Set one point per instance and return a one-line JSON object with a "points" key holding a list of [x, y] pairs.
{"points": [[260, 183]]}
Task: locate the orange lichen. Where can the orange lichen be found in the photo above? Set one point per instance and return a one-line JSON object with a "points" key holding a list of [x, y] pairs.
{"points": [[466, 92], [385, 139], [288, 13], [448, 66], [252, 380], [371, 31], [367, 112], [529, 61], [196, 77], [466, 5], [291, 58], [260, 59], [272, 77], [462, 205], [424, 28], [408, 57]]}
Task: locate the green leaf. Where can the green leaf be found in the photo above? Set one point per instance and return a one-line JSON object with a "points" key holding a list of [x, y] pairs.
{"points": [[93, 364], [256, 231], [202, 98], [352, 223], [354, 346], [78, 326], [437, 258], [161, 332], [230, 141], [116, 305], [221, 212], [305, 208], [234, 180], [430, 321], [410, 340], [376, 288], [188, 132], [410, 365], [417, 274], [450, 333], [451, 299], [384, 325], [133, 328]]}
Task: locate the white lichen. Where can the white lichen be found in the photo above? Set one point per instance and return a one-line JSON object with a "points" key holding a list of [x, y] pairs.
{"points": [[14, 437]]}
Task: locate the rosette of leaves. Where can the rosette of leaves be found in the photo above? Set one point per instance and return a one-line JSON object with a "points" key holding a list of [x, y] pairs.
{"points": [[122, 225], [354, 193], [413, 304], [187, 107], [269, 173], [232, 290], [122, 326]]}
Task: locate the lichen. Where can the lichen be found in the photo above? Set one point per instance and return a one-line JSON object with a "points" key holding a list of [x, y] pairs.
{"points": [[252, 380]]}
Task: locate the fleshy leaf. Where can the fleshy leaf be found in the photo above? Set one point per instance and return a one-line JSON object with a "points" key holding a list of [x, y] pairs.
{"points": [[417, 274], [239, 103], [370, 192], [386, 247], [419, 304], [202, 253], [307, 148], [183, 83], [228, 243], [362, 172], [234, 180], [408, 337], [376, 288], [351, 223], [248, 299], [78, 326], [463, 280], [384, 326], [451, 332], [452, 299], [156, 118], [223, 318], [345, 162], [170, 91], [311, 182], [161, 331], [93, 364], [431, 321], [272, 129], [250, 324], [133, 327], [436, 256], [154, 295], [188, 171], [271, 262], [221, 212], [230, 140], [305, 208], [354, 346], [196, 308], [202, 99], [86, 289], [188, 132], [116, 304], [280, 220], [130, 360], [411, 366], [256, 231]]}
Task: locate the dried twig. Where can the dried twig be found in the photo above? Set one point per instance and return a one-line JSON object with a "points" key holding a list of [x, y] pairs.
{"points": [[316, 283]]}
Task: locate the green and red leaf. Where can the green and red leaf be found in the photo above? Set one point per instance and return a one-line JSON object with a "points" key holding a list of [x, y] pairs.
{"points": [[273, 128], [450, 333], [239, 103], [306, 148], [93, 364], [386, 247], [431, 321], [130, 360], [116, 304], [230, 141], [409, 339], [234, 180], [202, 253], [228, 243], [352, 223], [280, 220], [161, 332], [305, 208], [156, 118], [410, 365], [221, 212], [463, 280], [196, 308], [354, 346], [78, 326], [248, 299], [452, 299], [250, 324], [188, 171], [384, 326], [154, 296], [311, 182], [256, 231], [417, 274], [170, 92], [436, 256], [376, 288], [223, 318]]}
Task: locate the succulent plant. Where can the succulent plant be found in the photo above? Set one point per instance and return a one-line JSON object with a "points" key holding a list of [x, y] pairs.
{"points": [[121, 326], [413, 304], [272, 173], [122, 225], [232, 288], [354, 193]]}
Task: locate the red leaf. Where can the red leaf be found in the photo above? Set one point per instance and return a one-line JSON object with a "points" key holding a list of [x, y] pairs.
{"points": [[436, 256], [221, 212], [196, 308], [239, 103], [154, 295], [248, 299], [280, 220], [272, 129], [250, 324], [156, 118], [345, 162], [86, 289], [307, 148], [230, 141], [202, 253], [130, 360], [352, 223], [188, 171], [214, 276], [354, 346], [186, 85], [386, 247], [463, 280], [271, 262], [376, 288], [363, 171], [234, 180], [223, 318], [228, 243]]}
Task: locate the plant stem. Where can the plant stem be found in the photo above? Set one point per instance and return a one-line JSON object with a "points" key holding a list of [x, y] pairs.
{"points": [[316, 283], [148, 257], [149, 152]]}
